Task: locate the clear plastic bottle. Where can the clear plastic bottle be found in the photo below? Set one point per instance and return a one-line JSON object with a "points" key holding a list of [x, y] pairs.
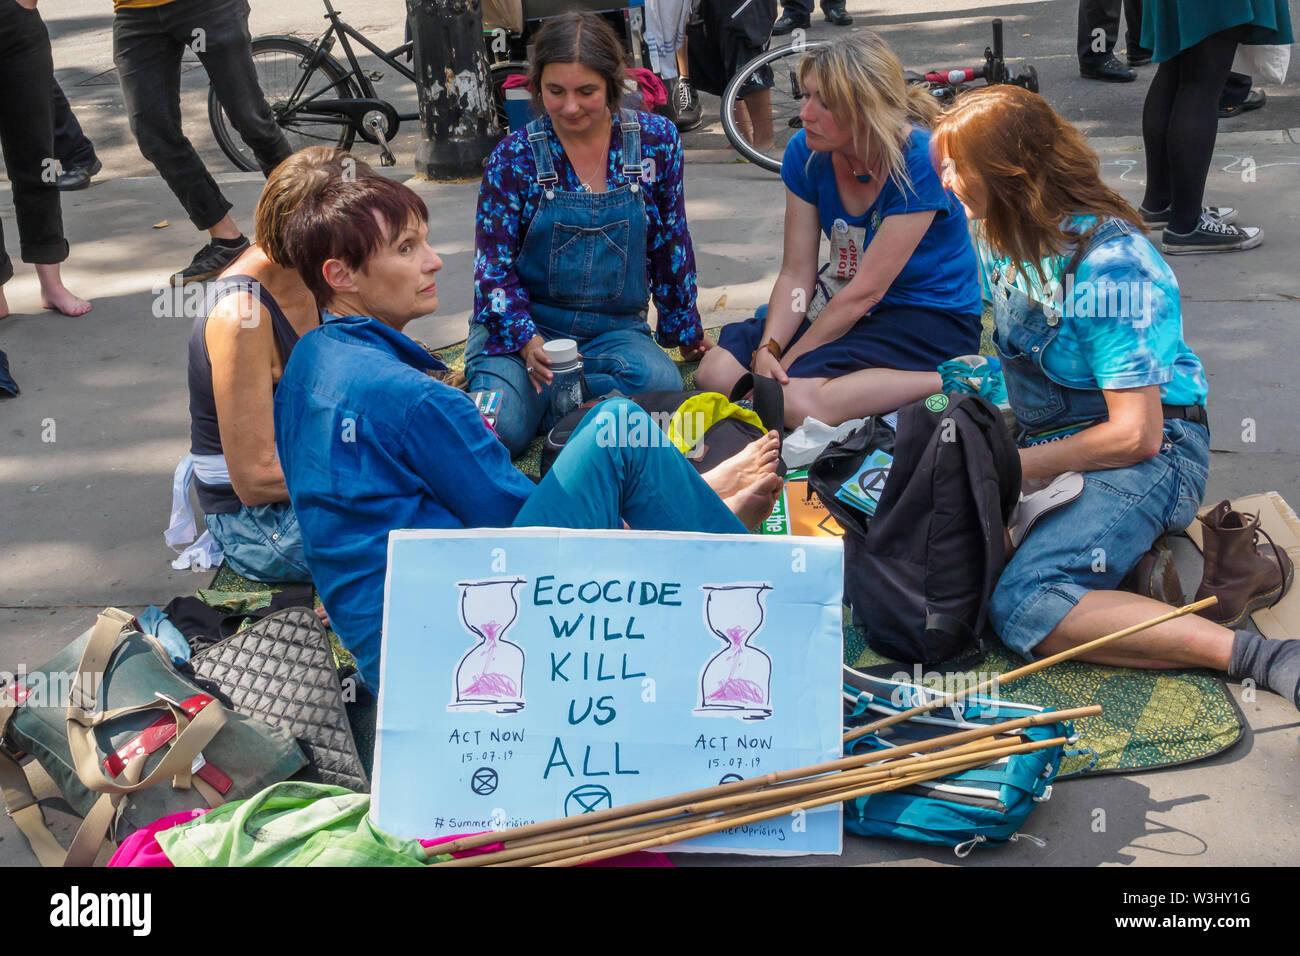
{"points": [[568, 387]]}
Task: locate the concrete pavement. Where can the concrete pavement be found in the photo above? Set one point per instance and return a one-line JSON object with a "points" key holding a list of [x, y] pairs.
{"points": [[87, 451]]}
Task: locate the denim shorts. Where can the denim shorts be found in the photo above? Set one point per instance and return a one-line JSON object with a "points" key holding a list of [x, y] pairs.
{"points": [[1093, 542], [262, 542]]}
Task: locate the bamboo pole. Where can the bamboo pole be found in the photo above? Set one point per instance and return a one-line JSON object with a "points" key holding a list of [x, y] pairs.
{"points": [[671, 831], [707, 827], [597, 833], [753, 783], [1030, 668]]}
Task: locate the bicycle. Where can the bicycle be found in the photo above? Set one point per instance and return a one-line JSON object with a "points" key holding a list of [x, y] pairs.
{"points": [[787, 96], [319, 103]]}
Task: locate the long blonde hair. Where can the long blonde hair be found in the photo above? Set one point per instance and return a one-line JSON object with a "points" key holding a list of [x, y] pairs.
{"points": [[861, 82]]}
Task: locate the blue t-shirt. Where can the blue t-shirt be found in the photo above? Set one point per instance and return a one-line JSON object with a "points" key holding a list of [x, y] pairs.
{"points": [[1121, 320], [941, 274], [370, 443]]}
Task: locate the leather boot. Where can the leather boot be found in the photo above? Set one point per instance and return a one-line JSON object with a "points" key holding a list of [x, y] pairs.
{"points": [[1244, 575], [1156, 576]]}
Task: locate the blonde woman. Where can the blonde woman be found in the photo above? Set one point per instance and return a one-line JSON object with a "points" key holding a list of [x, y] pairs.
{"points": [[900, 293]]}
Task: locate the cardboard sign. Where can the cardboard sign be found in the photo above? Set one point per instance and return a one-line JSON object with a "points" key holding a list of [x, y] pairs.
{"points": [[799, 513], [535, 673]]}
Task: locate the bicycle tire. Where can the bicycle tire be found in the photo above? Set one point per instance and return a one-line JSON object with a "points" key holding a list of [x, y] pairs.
{"points": [[278, 61], [785, 102], [499, 72]]}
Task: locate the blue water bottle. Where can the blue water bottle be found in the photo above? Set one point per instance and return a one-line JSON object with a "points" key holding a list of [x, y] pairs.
{"points": [[568, 387]]}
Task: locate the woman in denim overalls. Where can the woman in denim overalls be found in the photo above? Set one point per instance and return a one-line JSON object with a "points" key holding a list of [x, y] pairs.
{"points": [[1089, 333], [580, 219]]}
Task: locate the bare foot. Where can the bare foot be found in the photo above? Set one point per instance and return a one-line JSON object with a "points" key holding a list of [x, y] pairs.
{"points": [[756, 459], [64, 301], [755, 502]]}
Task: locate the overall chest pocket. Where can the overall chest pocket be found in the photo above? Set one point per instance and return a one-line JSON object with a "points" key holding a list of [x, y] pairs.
{"points": [[1020, 336], [588, 263]]}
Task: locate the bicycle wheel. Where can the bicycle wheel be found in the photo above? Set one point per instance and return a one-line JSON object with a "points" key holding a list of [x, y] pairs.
{"points": [[778, 71], [280, 62]]}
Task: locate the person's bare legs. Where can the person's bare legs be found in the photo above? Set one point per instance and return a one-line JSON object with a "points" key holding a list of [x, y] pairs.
{"points": [[759, 107], [871, 391], [746, 466], [1187, 641], [718, 371], [55, 295], [4, 303]]}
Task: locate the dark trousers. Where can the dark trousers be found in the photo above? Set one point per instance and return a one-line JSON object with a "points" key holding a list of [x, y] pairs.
{"points": [[148, 43], [805, 7], [1104, 15], [72, 147], [27, 137]]}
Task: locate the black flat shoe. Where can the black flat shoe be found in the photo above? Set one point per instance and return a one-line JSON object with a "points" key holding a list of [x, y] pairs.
{"points": [[1254, 100], [79, 177], [1138, 57], [788, 23], [1109, 70], [838, 16]]}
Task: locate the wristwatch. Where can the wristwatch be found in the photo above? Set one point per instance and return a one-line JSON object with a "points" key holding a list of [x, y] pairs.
{"points": [[772, 346]]}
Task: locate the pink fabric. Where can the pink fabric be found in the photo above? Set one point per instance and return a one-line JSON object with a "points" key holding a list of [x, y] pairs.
{"points": [[653, 91], [639, 859], [141, 847]]}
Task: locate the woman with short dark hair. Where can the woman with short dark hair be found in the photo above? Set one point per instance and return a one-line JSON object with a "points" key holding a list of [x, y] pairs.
{"points": [[581, 218]]}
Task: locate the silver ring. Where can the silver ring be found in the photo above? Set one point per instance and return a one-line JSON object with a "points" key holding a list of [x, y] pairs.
{"points": [[530, 370]]}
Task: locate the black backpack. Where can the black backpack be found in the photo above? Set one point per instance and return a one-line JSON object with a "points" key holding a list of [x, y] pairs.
{"points": [[919, 573], [721, 438]]}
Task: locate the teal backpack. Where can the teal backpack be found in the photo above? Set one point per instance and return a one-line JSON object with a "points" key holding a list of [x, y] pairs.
{"points": [[986, 805]]}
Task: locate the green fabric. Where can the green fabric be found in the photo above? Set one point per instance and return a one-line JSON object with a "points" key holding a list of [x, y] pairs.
{"points": [[1171, 26], [236, 602], [290, 824], [1149, 718]]}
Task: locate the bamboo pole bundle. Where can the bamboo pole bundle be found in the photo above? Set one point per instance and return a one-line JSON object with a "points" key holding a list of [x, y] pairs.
{"points": [[621, 830], [589, 821]]}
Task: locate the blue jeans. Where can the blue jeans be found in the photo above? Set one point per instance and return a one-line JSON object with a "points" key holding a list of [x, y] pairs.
{"points": [[1091, 543], [626, 360], [602, 479], [262, 542]]}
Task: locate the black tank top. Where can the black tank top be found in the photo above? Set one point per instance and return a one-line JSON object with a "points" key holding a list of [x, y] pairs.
{"points": [[205, 437]]}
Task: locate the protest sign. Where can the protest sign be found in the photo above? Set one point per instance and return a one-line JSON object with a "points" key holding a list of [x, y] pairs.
{"points": [[535, 673]]}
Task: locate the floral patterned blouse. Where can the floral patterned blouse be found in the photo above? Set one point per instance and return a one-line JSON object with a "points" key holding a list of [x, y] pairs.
{"points": [[508, 200]]}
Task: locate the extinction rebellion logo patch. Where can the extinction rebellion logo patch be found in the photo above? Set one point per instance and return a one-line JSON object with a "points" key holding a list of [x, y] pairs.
{"points": [[937, 403]]}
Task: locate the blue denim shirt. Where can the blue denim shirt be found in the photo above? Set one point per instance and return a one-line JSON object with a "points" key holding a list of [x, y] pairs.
{"points": [[370, 443]]}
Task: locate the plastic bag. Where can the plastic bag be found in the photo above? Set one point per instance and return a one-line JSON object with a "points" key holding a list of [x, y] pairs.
{"points": [[808, 441], [1266, 65]]}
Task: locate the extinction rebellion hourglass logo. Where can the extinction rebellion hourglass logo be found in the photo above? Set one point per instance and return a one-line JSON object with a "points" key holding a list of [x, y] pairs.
{"points": [[490, 677], [736, 681]]}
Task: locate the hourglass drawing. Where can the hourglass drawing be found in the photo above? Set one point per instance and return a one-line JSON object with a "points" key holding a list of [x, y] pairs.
{"points": [[736, 681], [490, 677]]}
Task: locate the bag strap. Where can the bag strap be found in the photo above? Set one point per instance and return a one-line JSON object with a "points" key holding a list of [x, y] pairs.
{"points": [[21, 805], [769, 399], [81, 721]]}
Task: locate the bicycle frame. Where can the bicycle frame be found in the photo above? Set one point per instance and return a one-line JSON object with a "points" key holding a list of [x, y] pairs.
{"points": [[325, 43]]}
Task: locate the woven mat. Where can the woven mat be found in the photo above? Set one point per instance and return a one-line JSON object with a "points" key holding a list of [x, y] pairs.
{"points": [[1149, 719]]}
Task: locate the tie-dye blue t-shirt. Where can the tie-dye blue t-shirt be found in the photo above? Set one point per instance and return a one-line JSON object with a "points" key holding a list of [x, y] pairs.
{"points": [[1121, 321]]}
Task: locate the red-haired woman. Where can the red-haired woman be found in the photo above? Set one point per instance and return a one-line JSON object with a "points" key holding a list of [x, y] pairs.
{"points": [[1089, 331]]}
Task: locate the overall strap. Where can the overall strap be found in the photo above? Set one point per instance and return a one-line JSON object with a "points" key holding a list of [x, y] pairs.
{"points": [[1106, 230], [538, 140], [633, 168]]}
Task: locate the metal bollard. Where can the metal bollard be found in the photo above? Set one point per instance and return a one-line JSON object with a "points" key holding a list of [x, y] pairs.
{"points": [[457, 114]]}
